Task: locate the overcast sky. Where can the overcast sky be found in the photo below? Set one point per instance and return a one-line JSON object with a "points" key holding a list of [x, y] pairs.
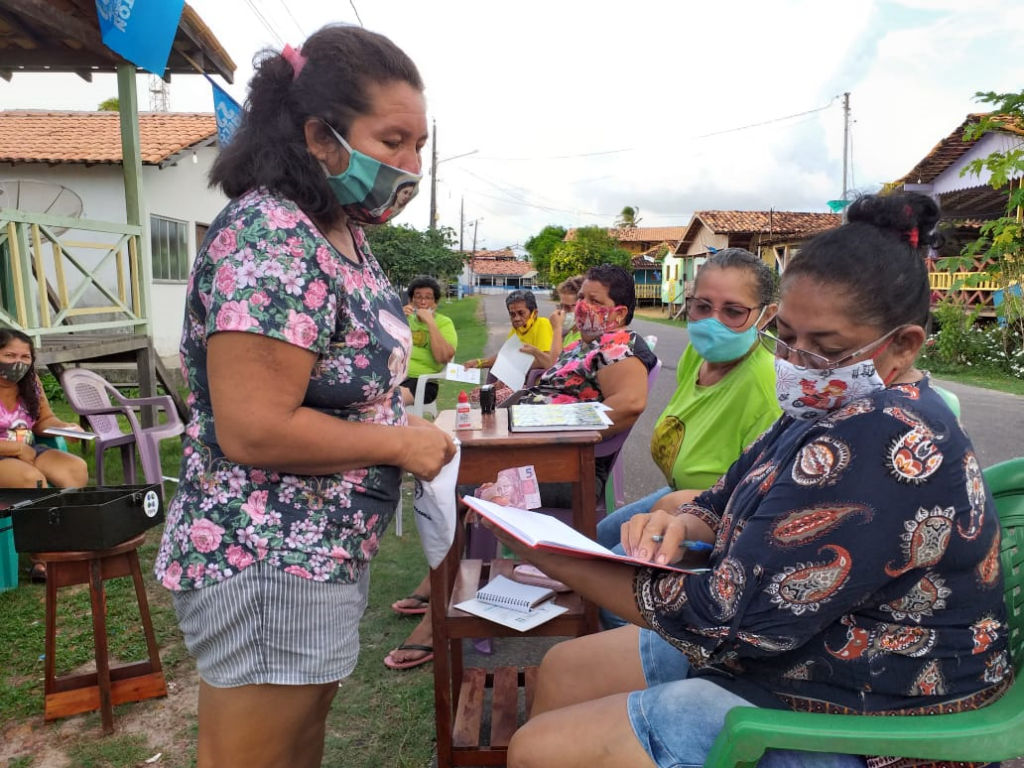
{"points": [[576, 109]]}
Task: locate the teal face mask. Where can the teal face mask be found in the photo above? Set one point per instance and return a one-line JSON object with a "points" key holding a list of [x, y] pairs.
{"points": [[369, 191], [717, 343]]}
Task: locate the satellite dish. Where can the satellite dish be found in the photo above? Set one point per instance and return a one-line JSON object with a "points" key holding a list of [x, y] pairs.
{"points": [[40, 197]]}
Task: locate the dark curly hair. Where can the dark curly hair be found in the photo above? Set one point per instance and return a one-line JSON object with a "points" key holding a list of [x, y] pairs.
{"points": [[424, 281], [877, 258], [620, 286], [269, 148], [28, 387]]}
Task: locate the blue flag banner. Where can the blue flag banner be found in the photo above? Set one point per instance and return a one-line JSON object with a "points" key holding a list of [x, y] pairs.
{"points": [[228, 113], [141, 31]]}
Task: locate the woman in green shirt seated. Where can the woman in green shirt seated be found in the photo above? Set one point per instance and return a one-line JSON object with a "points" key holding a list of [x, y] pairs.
{"points": [[725, 396], [434, 338]]}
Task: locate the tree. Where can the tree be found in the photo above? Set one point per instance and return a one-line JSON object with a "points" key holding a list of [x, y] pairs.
{"points": [[404, 252], [591, 247], [628, 218], [1000, 245], [540, 247], [109, 105]]}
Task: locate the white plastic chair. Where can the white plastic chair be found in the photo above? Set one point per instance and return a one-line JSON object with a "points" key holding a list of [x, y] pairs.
{"points": [[420, 408]]}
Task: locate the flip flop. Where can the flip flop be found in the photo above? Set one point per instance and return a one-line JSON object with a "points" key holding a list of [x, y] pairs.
{"points": [[428, 657], [419, 610]]}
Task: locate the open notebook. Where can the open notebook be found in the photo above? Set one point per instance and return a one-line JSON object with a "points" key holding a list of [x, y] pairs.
{"points": [[544, 532]]}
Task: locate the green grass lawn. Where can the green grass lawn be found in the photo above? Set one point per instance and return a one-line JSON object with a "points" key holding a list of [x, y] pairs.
{"points": [[380, 717]]}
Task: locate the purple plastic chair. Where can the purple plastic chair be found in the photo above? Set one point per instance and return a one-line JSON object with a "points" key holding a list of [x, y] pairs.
{"points": [[95, 398]]}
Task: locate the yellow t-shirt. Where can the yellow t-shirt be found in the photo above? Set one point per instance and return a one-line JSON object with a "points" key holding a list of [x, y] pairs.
{"points": [[539, 334]]}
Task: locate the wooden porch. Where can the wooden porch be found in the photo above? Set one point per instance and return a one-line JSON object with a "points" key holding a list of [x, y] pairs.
{"points": [[77, 288]]}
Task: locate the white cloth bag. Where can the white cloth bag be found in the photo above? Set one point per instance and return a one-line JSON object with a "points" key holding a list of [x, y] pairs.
{"points": [[436, 516]]}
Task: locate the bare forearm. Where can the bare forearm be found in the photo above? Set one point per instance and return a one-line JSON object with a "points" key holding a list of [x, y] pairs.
{"points": [[440, 349], [313, 443], [605, 583]]}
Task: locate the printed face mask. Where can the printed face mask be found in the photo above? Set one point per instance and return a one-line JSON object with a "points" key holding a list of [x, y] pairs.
{"points": [[593, 320], [808, 393], [13, 372], [371, 192], [717, 343]]}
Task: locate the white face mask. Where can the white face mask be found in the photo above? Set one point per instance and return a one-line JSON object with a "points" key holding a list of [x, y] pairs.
{"points": [[808, 393]]}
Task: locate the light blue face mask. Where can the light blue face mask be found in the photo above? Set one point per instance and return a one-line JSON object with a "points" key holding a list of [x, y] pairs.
{"points": [[717, 343], [371, 192]]}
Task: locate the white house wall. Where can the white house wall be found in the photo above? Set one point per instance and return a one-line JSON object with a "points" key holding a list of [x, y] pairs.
{"points": [[950, 179], [176, 192], [179, 192]]}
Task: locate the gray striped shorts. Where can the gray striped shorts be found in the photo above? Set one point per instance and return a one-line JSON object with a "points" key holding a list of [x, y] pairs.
{"points": [[265, 626]]}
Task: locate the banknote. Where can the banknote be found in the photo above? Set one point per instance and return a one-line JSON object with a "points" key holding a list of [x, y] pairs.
{"points": [[518, 485]]}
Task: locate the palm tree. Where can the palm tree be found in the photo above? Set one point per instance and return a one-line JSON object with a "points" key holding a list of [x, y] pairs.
{"points": [[629, 217]]}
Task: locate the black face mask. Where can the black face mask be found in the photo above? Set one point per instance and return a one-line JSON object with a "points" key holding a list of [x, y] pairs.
{"points": [[13, 372]]}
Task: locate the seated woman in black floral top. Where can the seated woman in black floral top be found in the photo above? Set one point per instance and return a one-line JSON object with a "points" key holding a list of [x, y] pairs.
{"points": [[609, 363], [855, 562]]}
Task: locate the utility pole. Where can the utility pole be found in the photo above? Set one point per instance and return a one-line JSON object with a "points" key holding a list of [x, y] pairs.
{"points": [[476, 227], [846, 137], [433, 175], [462, 222]]}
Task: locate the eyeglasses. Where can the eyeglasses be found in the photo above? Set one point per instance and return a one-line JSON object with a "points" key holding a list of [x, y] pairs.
{"points": [[813, 360], [730, 315]]}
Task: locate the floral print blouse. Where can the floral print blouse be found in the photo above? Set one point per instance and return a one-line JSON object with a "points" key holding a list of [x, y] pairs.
{"points": [[265, 268], [573, 377], [856, 567]]}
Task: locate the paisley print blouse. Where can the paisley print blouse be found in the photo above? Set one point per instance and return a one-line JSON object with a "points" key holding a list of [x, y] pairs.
{"points": [[265, 268], [855, 569]]}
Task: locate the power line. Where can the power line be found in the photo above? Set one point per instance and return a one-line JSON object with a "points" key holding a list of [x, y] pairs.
{"points": [[263, 20], [765, 122], [292, 17], [558, 157], [356, 11]]}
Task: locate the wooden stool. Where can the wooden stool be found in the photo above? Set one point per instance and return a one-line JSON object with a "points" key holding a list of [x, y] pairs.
{"points": [[102, 689]]}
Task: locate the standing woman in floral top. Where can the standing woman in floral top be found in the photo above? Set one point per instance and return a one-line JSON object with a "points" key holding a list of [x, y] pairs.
{"points": [[855, 548], [293, 347]]}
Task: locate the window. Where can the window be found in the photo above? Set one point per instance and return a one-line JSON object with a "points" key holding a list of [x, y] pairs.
{"points": [[169, 245]]}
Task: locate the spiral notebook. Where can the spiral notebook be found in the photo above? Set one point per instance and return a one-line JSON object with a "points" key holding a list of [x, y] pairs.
{"points": [[512, 594]]}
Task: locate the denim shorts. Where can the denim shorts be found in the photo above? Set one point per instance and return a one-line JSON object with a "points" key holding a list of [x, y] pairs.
{"points": [[677, 718], [265, 626]]}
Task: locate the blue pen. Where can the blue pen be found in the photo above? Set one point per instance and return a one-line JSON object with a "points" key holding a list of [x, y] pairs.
{"points": [[696, 546]]}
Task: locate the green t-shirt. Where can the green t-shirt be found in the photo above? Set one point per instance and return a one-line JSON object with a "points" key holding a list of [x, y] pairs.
{"points": [[421, 360], [703, 430]]}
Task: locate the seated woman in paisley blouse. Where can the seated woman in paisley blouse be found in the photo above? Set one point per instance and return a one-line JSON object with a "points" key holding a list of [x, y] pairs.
{"points": [[855, 561]]}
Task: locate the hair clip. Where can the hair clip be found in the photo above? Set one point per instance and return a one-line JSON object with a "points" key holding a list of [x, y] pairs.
{"points": [[294, 57], [913, 237]]}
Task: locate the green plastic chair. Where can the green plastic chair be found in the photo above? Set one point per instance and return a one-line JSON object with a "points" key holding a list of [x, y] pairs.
{"points": [[989, 734], [949, 398]]}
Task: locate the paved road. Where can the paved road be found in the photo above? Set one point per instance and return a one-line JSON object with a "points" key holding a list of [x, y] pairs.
{"points": [[995, 420]]}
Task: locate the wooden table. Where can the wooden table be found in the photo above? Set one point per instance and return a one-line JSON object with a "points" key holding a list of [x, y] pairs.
{"points": [[459, 694]]}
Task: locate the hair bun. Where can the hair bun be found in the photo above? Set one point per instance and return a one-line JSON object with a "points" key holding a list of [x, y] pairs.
{"points": [[909, 216]]}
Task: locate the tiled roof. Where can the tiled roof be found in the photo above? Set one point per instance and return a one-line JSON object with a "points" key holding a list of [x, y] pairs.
{"points": [[651, 258], [95, 137], [639, 234], [501, 262], [726, 222], [952, 148]]}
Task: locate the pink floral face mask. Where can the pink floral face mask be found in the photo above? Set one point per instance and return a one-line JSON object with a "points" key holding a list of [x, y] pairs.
{"points": [[593, 319]]}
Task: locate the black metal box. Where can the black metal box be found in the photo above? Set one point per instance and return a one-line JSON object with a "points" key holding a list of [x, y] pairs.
{"points": [[81, 519]]}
